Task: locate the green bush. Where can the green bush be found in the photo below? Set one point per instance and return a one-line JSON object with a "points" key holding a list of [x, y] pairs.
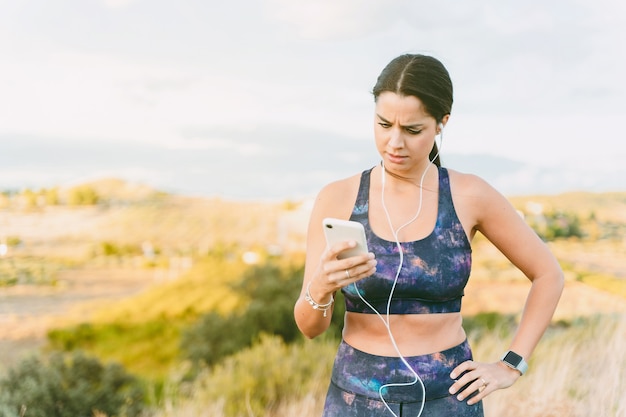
{"points": [[489, 323], [51, 195], [256, 381], [76, 386], [83, 195], [214, 337], [81, 336], [29, 270], [113, 249], [13, 241], [270, 291], [557, 225], [148, 348]]}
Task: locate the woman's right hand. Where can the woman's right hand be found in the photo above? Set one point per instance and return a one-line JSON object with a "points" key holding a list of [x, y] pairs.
{"points": [[334, 273]]}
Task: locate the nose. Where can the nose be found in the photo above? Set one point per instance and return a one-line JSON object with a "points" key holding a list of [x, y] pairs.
{"points": [[395, 139]]}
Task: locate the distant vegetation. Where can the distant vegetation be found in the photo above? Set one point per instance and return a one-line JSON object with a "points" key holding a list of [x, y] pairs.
{"points": [[30, 270], [576, 215], [89, 194]]}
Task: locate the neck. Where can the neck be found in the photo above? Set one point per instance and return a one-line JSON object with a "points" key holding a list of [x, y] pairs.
{"points": [[416, 180]]}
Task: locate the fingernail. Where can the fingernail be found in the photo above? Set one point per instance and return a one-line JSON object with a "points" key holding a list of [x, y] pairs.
{"points": [[453, 375], [452, 390], [459, 397]]}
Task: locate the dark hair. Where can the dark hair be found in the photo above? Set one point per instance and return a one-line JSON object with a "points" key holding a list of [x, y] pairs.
{"points": [[423, 77]]}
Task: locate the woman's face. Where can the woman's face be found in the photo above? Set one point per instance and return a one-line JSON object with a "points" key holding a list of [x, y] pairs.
{"points": [[404, 132]]}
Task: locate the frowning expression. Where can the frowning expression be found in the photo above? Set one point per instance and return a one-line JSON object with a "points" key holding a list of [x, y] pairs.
{"points": [[404, 131]]}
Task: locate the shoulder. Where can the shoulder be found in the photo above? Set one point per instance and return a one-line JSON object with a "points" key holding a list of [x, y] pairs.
{"points": [[468, 185], [334, 200], [475, 196], [337, 198]]}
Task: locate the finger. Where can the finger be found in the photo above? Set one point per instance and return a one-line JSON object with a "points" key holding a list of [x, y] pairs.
{"points": [[355, 264], [462, 368], [464, 375], [343, 277], [337, 248], [476, 387], [363, 269], [358, 272], [481, 393]]}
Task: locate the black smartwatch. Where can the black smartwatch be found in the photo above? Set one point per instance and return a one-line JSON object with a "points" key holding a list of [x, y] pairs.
{"points": [[515, 361]]}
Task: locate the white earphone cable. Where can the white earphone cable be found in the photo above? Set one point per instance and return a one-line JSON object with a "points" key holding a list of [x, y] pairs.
{"points": [[386, 318]]}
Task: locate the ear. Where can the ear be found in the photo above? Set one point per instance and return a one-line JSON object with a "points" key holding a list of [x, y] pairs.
{"points": [[444, 120], [442, 124]]}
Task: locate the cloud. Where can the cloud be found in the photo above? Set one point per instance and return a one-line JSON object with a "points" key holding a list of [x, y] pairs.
{"points": [[334, 20], [117, 4], [226, 146], [69, 91], [198, 83]]}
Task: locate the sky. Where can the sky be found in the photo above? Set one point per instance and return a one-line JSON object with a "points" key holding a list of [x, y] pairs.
{"points": [[271, 99]]}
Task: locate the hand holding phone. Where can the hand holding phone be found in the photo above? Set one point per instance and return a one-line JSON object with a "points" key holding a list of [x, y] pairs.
{"points": [[337, 230]]}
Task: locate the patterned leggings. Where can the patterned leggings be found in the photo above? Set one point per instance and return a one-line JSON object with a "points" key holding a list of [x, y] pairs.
{"points": [[357, 377]]}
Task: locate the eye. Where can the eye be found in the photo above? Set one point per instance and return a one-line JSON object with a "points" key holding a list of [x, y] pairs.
{"points": [[414, 131], [384, 125]]}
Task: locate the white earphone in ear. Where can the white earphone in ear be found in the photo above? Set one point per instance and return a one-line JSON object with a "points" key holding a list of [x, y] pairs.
{"points": [[440, 127]]}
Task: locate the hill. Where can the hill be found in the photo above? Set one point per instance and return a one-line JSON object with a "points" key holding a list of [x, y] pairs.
{"points": [[139, 250], [605, 207]]}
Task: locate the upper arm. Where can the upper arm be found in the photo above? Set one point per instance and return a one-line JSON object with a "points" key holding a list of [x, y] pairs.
{"points": [[491, 214], [334, 200]]}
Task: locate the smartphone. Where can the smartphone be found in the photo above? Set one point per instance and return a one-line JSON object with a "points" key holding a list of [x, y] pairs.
{"points": [[337, 230]]}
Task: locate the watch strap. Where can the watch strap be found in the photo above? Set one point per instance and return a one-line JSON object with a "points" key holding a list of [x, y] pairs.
{"points": [[519, 364]]}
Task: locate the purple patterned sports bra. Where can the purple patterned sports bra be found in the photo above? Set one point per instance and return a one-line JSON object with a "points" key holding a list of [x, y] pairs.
{"points": [[435, 269]]}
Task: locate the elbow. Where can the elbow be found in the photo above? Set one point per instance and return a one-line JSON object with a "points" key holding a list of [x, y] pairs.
{"points": [[310, 336], [559, 285], [551, 281], [309, 329], [310, 332], [559, 277], [561, 281], [557, 281]]}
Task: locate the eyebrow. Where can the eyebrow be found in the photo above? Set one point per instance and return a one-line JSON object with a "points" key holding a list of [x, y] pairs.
{"points": [[405, 127]]}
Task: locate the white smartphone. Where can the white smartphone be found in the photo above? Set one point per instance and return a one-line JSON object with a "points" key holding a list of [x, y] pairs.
{"points": [[337, 230]]}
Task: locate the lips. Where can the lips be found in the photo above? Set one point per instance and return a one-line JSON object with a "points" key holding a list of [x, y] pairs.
{"points": [[396, 159]]}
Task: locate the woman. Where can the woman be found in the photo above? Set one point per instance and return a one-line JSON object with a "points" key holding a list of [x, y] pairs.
{"points": [[404, 351]]}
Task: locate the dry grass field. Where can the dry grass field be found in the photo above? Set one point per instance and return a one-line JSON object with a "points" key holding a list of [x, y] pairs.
{"points": [[180, 228], [574, 373]]}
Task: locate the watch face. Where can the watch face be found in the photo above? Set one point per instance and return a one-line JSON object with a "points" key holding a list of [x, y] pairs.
{"points": [[512, 358]]}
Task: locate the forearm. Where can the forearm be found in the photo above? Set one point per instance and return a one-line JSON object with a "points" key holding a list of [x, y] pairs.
{"points": [[311, 322], [314, 309], [541, 303]]}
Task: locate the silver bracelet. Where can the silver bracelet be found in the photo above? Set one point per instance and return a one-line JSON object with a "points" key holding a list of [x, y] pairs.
{"points": [[315, 304]]}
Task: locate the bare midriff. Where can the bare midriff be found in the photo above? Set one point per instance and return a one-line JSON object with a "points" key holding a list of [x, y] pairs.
{"points": [[415, 334]]}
